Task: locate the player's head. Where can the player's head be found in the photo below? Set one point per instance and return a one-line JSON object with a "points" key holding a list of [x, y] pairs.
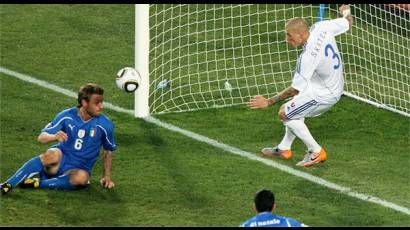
{"points": [[297, 32], [264, 201], [90, 99]]}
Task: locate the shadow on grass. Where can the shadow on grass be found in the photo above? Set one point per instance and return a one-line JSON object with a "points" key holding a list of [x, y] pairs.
{"points": [[90, 206]]}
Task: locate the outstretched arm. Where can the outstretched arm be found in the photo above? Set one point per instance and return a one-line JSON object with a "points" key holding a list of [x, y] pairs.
{"points": [[345, 11], [260, 102], [106, 181]]}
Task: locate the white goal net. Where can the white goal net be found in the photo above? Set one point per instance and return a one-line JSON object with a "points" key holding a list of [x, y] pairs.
{"points": [[376, 55], [207, 56]]}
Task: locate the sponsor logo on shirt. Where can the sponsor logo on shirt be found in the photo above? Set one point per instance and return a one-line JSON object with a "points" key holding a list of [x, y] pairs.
{"points": [[71, 126], [265, 223]]}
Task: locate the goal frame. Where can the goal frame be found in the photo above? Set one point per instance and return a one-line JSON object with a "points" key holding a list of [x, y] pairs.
{"points": [[142, 40]]}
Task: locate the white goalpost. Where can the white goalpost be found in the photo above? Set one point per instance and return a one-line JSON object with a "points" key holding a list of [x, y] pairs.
{"points": [[141, 108], [194, 57]]}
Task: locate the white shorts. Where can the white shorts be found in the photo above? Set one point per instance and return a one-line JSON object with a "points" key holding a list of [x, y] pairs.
{"points": [[304, 105]]}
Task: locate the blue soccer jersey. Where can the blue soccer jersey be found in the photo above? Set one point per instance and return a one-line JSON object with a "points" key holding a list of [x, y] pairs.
{"points": [[85, 138], [267, 219]]}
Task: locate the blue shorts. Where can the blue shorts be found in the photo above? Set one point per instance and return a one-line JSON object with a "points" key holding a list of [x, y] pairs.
{"points": [[65, 166]]}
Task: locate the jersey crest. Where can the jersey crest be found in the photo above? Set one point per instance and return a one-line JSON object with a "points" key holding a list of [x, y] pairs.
{"points": [[81, 133]]}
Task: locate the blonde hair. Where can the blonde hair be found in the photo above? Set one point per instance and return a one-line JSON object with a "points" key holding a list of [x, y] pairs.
{"points": [[297, 24]]}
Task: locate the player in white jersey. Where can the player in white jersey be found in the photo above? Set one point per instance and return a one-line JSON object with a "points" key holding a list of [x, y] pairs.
{"points": [[316, 85]]}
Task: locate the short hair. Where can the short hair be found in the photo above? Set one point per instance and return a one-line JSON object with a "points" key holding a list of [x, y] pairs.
{"points": [[264, 200], [297, 24], [87, 90]]}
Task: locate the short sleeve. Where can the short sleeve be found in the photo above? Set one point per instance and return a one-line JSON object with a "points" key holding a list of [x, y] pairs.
{"points": [[108, 139], [57, 124]]}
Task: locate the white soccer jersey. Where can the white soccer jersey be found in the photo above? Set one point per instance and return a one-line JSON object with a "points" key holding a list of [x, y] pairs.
{"points": [[319, 69]]}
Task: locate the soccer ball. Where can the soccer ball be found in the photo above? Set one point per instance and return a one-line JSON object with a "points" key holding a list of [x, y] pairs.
{"points": [[128, 79]]}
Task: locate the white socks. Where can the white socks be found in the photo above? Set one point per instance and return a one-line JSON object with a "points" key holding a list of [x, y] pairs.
{"points": [[298, 128], [287, 140]]}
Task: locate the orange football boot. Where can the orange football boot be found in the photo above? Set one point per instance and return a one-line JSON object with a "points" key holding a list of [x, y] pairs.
{"points": [[276, 152], [313, 158]]}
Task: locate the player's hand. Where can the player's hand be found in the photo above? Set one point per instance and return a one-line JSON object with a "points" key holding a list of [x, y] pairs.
{"points": [[106, 182], [258, 102], [60, 136], [343, 8]]}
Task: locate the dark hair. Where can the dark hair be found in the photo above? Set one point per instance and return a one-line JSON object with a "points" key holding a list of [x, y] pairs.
{"points": [[264, 200], [87, 90]]}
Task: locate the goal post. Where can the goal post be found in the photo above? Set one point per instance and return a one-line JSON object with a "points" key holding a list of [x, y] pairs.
{"points": [[201, 56], [141, 107]]}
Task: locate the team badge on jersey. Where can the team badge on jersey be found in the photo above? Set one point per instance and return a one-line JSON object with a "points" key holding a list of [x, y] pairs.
{"points": [[92, 132], [81, 133]]}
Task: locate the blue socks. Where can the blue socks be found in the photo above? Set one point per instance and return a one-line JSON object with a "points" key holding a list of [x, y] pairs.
{"points": [[59, 183], [30, 167], [34, 166]]}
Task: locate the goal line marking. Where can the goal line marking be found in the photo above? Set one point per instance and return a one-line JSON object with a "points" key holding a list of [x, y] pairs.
{"points": [[225, 147]]}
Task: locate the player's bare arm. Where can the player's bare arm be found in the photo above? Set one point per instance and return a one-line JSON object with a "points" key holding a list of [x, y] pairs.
{"points": [[106, 181], [46, 138], [345, 12], [260, 102]]}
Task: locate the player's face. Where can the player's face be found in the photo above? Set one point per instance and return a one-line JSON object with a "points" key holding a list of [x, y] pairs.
{"points": [[293, 38], [95, 106]]}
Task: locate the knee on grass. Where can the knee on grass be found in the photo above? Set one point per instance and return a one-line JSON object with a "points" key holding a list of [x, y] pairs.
{"points": [[79, 177]]}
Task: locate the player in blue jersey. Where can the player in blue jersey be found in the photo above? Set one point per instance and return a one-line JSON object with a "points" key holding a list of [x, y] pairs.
{"points": [[264, 205], [80, 131]]}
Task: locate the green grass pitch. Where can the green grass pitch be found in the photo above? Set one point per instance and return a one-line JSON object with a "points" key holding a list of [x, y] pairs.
{"points": [[166, 179]]}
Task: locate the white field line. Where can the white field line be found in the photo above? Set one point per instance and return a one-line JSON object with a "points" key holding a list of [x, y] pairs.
{"points": [[225, 147]]}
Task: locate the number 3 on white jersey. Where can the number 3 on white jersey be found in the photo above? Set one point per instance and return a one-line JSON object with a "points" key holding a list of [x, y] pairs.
{"points": [[335, 55]]}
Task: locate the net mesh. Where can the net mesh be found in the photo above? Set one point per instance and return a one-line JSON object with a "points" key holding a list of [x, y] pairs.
{"points": [[207, 56]]}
